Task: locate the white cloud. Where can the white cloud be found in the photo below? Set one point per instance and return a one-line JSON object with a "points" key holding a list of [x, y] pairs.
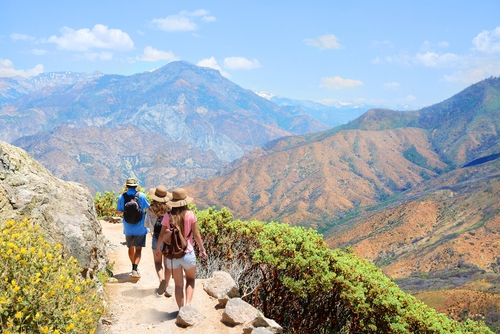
{"points": [[212, 63], [443, 44], [391, 86], [377, 60], [7, 69], [100, 37], [151, 54], [21, 37], [475, 72], [337, 82], [324, 42], [240, 63], [488, 41], [38, 52], [432, 59], [182, 21], [208, 19], [402, 58], [427, 46]]}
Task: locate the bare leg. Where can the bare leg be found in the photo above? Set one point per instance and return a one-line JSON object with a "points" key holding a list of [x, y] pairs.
{"points": [[190, 280], [137, 254], [167, 275], [131, 254], [159, 266], [179, 287]]}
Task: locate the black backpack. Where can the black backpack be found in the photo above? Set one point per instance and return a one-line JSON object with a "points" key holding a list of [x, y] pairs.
{"points": [[133, 212], [157, 227]]}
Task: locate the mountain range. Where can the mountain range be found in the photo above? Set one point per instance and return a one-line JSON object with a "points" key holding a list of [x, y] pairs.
{"points": [[185, 106], [414, 191]]}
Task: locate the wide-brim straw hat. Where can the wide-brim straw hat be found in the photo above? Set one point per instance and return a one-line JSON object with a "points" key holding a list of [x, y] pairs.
{"points": [[179, 198], [131, 182], [160, 194]]}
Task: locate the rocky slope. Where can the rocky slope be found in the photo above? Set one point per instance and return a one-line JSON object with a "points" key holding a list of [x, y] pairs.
{"points": [[63, 210], [102, 158]]}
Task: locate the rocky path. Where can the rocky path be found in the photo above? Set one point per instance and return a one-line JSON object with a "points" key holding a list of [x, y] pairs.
{"points": [[135, 307]]}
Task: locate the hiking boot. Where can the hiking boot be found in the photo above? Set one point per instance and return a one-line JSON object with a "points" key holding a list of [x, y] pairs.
{"points": [[161, 288], [135, 273]]}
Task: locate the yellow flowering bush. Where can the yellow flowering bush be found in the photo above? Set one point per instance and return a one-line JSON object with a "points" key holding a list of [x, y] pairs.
{"points": [[41, 289]]}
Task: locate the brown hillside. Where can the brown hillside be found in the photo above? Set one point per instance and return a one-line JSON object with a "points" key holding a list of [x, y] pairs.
{"points": [[317, 182], [448, 222]]}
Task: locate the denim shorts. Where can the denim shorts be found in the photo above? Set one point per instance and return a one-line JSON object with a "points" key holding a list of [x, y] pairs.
{"points": [[135, 240], [188, 261], [154, 243]]}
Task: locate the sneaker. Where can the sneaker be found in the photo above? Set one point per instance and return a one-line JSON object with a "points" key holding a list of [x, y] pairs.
{"points": [[135, 273], [161, 288], [169, 291]]}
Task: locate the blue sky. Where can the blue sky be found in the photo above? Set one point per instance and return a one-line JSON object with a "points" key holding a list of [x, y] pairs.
{"points": [[400, 54]]}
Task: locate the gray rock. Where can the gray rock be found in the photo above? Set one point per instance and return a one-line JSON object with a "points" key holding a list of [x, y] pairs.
{"points": [[221, 286], [188, 316], [64, 210], [261, 330], [269, 324], [238, 312]]}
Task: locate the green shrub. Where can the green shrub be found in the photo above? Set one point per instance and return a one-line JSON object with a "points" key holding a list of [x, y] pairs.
{"points": [[291, 275], [105, 205], [41, 289]]}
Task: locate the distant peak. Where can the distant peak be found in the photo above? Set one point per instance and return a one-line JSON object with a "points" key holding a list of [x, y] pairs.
{"points": [[266, 95]]}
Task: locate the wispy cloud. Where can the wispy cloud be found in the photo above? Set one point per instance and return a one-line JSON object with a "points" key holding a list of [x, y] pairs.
{"points": [[100, 37], [488, 41], [337, 82], [184, 21], [240, 63], [433, 59], [151, 54], [22, 37], [382, 44], [324, 42], [7, 69], [212, 63], [429, 46], [38, 52], [391, 86]]}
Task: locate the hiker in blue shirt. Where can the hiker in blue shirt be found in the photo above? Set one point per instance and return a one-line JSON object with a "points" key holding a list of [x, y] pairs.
{"points": [[135, 233]]}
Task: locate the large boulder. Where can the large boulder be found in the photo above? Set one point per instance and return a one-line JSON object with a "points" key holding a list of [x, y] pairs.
{"points": [[64, 210]]}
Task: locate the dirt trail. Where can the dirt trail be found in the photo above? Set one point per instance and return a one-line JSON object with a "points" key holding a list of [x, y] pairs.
{"points": [[135, 307]]}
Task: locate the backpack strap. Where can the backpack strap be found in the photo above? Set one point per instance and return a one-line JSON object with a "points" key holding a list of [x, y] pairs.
{"points": [[136, 196]]}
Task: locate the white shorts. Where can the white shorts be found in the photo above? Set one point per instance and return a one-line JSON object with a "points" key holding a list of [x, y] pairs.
{"points": [[188, 261]]}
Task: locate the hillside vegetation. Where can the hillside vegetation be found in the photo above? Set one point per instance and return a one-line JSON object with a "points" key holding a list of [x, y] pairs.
{"points": [[293, 277]]}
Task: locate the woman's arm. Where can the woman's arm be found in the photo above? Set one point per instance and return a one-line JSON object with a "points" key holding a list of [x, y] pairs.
{"points": [[199, 241]]}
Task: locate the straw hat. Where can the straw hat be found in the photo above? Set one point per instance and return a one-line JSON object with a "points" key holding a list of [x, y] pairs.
{"points": [[160, 194], [179, 198]]}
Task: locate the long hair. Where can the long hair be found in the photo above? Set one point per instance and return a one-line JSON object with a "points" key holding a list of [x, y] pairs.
{"points": [[177, 217], [158, 209]]}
